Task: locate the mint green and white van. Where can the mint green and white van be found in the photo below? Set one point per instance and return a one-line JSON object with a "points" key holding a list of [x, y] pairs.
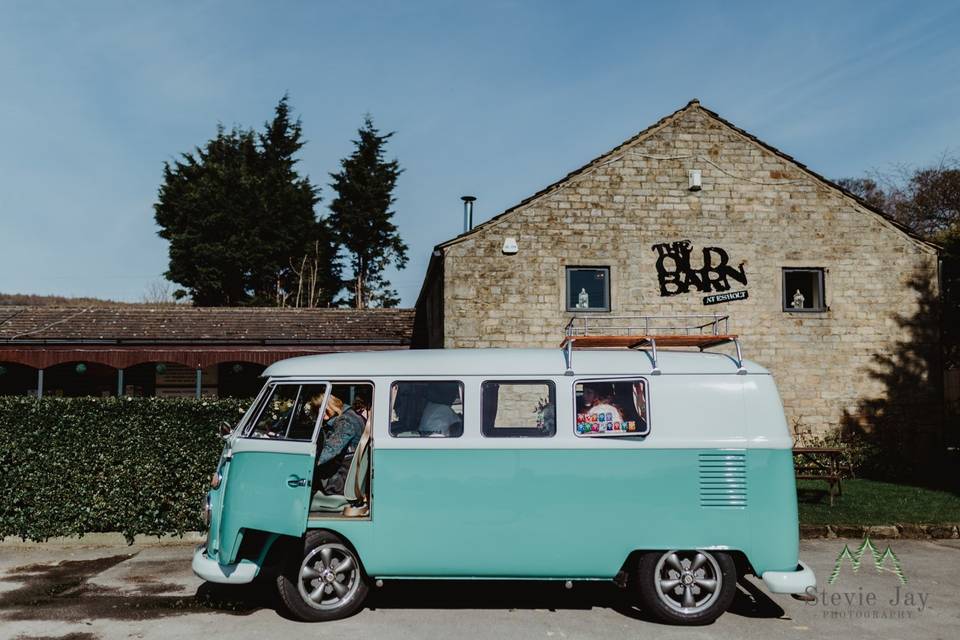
{"points": [[671, 475]]}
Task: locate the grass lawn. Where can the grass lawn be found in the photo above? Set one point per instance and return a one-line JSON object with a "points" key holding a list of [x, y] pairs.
{"points": [[871, 502]]}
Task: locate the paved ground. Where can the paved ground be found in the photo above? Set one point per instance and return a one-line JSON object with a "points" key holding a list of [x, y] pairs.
{"points": [[87, 593]]}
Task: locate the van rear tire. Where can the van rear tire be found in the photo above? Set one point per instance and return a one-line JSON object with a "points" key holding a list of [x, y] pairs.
{"points": [[688, 587], [325, 581]]}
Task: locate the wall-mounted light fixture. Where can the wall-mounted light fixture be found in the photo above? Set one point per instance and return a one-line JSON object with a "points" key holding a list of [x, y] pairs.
{"points": [[694, 176], [510, 246]]}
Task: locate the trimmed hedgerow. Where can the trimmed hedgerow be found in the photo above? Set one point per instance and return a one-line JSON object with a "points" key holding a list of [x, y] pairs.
{"points": [[70, 466]]}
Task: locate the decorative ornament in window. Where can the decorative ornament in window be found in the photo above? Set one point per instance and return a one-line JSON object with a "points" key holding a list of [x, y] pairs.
{"points": [[804, 290], [798, 300], [583, 301]]}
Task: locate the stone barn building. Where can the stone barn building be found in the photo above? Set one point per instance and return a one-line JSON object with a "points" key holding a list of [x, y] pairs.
{"points": [[694, 216]]}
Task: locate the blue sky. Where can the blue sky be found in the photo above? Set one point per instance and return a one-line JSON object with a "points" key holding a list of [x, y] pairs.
{"points": [[495, 99]]}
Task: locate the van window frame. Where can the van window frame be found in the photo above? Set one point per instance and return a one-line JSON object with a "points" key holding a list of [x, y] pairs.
{"points": [[519, 432], [390, 399], [613, 379], [259, 405]]}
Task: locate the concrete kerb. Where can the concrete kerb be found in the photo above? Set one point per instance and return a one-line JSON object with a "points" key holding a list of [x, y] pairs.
{"points": [[112, 539], [888, 531]]}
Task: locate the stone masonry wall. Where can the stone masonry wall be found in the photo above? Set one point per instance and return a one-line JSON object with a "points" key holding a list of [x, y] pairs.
{"points": [[762, 209]]}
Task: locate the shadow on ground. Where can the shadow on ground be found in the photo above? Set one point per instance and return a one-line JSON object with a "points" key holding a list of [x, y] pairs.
{"points": [[64, 592], [552, 596]]}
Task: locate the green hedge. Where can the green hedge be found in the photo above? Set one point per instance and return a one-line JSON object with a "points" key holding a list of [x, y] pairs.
{"points": [[70, 466]]}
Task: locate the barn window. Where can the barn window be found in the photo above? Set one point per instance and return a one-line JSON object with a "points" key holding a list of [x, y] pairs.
{"points": [[588, 289], [803, 290]]}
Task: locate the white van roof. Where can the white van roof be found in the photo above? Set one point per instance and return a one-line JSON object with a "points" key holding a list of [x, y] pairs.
{"points": [[506, 362]]}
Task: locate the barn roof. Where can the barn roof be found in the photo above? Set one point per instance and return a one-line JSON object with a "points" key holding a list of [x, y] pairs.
{"points": [[180, 324], [693, 104]]}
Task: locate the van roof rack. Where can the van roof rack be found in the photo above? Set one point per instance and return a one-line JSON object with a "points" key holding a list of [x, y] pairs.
{"points": [[648, 332]]}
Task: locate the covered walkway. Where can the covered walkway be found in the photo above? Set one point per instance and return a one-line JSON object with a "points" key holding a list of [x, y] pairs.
{"points": [[175, 351]]}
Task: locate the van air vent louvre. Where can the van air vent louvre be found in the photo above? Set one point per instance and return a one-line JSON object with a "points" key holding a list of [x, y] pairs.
{"points": [[723, 479]]}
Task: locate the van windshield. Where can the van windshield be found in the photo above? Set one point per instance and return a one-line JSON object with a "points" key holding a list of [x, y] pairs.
{"points": [[288, 411]]}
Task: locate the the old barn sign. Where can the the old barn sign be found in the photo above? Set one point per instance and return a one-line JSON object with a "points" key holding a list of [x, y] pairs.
{"points": [[677, 274]]}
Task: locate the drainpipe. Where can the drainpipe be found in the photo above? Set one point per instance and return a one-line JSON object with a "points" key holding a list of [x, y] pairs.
{"points": [[39, 383], [199, 381], [120, 383]]}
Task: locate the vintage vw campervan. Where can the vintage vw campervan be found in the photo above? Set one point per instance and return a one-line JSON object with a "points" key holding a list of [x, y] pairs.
{"points": [[667, 472]]}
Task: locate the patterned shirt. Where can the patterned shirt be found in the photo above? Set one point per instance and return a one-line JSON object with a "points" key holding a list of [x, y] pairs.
{"points": [[345, 431]]}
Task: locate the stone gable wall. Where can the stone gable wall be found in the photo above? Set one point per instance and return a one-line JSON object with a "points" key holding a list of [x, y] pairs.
{"points": [[759, 208]]}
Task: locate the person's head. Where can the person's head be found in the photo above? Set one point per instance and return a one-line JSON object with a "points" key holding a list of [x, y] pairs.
{"points": [[597, 392], [360, 404], [590, 396], [313, 403], [334, 408]]}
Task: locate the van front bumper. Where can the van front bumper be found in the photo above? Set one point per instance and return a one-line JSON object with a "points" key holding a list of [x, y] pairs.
{"points": [[212, 571], [796, 582]]}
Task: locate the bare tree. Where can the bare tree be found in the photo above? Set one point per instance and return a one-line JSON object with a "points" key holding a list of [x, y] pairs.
{"points": [[925, 199], [309, 277], [159, 292]]}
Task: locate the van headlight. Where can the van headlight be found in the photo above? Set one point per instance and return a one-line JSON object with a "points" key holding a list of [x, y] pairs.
{"points": [[206, 509]]}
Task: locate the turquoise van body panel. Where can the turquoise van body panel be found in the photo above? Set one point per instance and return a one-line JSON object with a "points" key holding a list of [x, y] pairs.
{"points": [[775, 532], [257, 495], [561, 513], [216, 507]]}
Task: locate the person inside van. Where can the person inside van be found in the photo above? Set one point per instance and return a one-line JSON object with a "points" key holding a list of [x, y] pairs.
{"points": [[599, 398], [342, 430], [361, 406], [438, 417]]}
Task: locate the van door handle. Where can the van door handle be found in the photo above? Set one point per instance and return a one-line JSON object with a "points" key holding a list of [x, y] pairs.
{"points": [[296, 481]]}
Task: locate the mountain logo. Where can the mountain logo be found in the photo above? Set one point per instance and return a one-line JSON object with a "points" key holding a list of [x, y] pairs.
{"points": [[879, 560]]}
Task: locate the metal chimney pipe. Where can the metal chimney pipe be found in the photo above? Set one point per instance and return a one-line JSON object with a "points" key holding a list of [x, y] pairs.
{"points": [[468, 212]]}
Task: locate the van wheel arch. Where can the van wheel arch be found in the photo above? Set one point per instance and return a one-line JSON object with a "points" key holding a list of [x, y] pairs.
{"points": [[299, 581], [650, 572], [629, 567]]}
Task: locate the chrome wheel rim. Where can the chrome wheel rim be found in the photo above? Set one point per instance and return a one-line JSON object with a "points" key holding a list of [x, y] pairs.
{"points": [[688, 581], [329, 576]]}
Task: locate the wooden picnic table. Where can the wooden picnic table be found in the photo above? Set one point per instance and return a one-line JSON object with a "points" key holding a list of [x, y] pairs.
{"points": [[820, 463]]}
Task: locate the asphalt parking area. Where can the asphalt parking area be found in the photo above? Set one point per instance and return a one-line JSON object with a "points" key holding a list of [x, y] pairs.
{"points": [[86, 593]]}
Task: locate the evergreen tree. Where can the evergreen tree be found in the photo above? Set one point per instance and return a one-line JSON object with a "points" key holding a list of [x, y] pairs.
{"points": [[288, 197], [362, 217], [240, 219]]}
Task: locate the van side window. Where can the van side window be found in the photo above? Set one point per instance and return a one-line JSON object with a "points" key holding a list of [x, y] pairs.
{"points": [[612, 408], [426, 409], [518, 408], [290, 411]]}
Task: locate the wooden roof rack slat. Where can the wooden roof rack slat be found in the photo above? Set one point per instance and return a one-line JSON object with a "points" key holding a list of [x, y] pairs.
{"points": [[640, 332], [704, 341]]}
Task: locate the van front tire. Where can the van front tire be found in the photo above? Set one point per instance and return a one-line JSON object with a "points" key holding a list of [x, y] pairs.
{"points": [[325, 581], [687, 587]]}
